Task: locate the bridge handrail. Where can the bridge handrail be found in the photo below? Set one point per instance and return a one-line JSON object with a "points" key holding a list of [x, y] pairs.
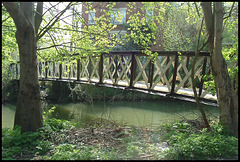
{"points": [[140, 53]]}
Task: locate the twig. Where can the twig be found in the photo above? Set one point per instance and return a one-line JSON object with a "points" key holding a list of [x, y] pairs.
{"points": [[230, 12]]}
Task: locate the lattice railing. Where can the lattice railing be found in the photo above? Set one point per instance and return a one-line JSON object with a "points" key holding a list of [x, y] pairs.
{"points": [[169, 73]]}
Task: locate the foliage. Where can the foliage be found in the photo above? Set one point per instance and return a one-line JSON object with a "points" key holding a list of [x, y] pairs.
{"points": [[13, 143], [202, 145], [57, 124], [47, 114], [143, 29], [9, 51], [181, 27], [231, 57]]}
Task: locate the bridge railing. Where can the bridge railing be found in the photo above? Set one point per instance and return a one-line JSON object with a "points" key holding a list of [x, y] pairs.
{"points": [[169, 73]]}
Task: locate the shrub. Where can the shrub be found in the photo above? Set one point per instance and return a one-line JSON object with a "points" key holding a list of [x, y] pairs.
{"points": [[201, 145]]}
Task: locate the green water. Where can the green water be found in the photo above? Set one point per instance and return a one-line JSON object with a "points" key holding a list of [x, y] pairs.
{"points": [[8, 113], [146, 113]]}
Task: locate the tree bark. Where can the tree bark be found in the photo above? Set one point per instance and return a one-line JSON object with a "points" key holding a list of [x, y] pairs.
{"points": [[28, 110], [227, 98]]}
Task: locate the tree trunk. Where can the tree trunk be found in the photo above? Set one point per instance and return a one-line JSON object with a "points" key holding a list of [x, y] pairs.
{"points": [[28, 111], [227, 98]]}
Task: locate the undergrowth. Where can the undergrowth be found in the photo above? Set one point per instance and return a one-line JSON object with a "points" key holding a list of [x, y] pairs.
{"points": [[53, 142], [188, 143]]}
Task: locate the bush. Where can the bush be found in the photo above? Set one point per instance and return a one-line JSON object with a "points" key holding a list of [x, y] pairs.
{"points": [[201, 145]]}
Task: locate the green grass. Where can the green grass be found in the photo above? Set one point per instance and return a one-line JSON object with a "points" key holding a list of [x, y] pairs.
{"points": [[185, 142]]}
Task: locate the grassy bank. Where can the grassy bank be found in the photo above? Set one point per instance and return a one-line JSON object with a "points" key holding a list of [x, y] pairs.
{"points": [[105, 140]]}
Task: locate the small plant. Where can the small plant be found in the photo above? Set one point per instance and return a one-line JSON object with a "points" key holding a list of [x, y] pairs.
{"points": [[72, 152], [47, 114], [43, 147]]}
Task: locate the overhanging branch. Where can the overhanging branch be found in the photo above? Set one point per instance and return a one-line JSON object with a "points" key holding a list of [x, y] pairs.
{"points": [[49, 25]]}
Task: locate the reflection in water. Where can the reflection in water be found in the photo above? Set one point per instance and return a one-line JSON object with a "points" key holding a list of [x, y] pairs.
{"points": [[147, 113]]}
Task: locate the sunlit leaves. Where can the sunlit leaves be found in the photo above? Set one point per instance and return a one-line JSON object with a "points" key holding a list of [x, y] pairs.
{"points": [[9, 44], [143, 29]]}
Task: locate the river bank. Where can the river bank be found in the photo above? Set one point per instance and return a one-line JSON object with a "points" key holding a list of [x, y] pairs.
{"points": [[105, 140]]}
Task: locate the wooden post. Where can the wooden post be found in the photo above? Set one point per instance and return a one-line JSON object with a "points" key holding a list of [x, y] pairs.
{"points": [[78, 69], [90, 68], [149, 70], [116, 70], [100, 72], [185, 84], [16, 70], [203, 73], [123, 63], [174, 74], [151, 76], [133, 70], [109, 61], [46, 69], [60, 71], [54, 69], [167, 70], [69, 74]]}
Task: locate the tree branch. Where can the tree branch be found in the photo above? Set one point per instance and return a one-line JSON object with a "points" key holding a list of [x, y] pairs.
{"points": [[15, 12], [195, 3], [6, 19], [230, 12], [193, 81], [50, 8], [38, 16], [208, 16], [48, 26]]}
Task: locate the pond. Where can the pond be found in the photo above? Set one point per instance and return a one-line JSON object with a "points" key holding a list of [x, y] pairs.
{"points": [[137, 113]]}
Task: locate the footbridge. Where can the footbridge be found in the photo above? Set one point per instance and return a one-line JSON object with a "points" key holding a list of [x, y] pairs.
{"points": [[169, 75]]}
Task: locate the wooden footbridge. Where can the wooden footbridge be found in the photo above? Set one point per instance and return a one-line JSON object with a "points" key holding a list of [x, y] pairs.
{"points": [[169, 75]]}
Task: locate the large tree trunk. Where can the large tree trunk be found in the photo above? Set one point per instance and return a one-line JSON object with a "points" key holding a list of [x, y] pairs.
{"points": [[28, 111], [227, 98]]}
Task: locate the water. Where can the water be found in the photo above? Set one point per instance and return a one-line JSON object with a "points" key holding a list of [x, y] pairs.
{"points": [[138, 113], [8, 113]]}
